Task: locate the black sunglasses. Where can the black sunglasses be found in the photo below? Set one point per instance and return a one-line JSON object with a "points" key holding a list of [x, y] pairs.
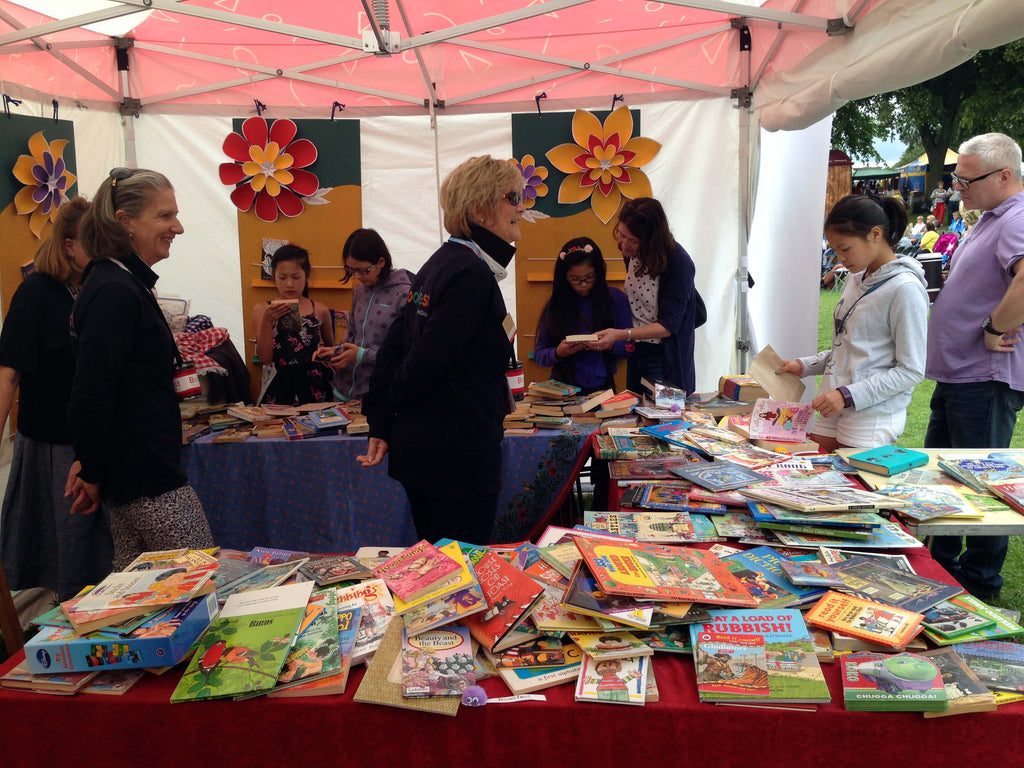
{"points": [[116, 175], [515, 198]]}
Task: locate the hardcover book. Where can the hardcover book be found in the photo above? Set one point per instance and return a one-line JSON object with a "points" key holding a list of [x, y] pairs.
{"points": [[658, 527], [611, 645], [876, 581], [1002, 626], [904, 682], [888, 459], [245, 647], [1010, 491], [437, 663], [976, 473], [780, 420], [334, 568], [720, 475], [810, 573], [521, 681], [348, 624], [928, 502], [510, 594], [964, 689], [315, 653], [417, 571], [613, 681], [757, 656], [865, 619], [759, 570], [551, 617], [952, 620], [999, 664], [654, 571], [584, 595], [544, 652]]}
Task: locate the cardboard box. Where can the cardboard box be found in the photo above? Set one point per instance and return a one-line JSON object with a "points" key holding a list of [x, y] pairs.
{"points": [[160, 642]]}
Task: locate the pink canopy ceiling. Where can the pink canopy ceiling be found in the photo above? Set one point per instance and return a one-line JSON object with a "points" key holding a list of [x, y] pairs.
{"points": [[221, 55], [798, 59]]}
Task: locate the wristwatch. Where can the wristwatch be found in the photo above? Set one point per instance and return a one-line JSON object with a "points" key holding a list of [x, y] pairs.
{"points": [[987, 327]]}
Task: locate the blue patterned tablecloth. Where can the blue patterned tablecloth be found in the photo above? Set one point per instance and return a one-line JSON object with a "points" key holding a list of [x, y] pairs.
{"points": [[310, 495]]}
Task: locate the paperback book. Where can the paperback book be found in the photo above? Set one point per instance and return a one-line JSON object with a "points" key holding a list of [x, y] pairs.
{"points": [[377, 609], [720, 475], [417, 571], [611, 645], [334, 568], [510, 594], [928, 502], [653, 468], [521, 681], [904, 682], [584, 595], [965, 691], [437, 663], [977, 473], [894, 586], [952, 620], [757, 656], [658, 527], [823, 499], [348, 624], [262, 578], [999, 664], [865, 619], [613, 681], [245, 647], [1001, 627], [465, 579], [760, 571], [780, 420], [659, 572]]}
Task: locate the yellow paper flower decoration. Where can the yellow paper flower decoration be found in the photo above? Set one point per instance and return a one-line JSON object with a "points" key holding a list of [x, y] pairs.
{"points": [[46, 181], [604, 163]]}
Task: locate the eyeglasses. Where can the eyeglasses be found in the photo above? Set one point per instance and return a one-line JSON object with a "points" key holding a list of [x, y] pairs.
{"points": [[349, 271], [617, 233], [116, 175], [573, 280], [965, 183], [515, 198]]}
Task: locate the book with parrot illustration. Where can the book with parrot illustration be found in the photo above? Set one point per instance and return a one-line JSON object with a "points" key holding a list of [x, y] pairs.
{"points": [[245, 648]]}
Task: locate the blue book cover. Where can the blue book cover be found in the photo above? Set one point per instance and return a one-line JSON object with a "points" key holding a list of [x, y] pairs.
{"points": [[760, 571], [671, 432], [888, 459]]}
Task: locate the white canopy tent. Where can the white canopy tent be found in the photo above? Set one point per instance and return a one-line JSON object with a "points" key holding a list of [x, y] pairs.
{"points": [[155, 82]]}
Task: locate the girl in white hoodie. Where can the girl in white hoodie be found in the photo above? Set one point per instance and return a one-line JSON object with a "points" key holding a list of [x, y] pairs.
{"points": [[879, 331]]}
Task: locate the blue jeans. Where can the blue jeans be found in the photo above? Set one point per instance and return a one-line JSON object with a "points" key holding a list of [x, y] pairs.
{"points": [[973, 415], [646, 362]]}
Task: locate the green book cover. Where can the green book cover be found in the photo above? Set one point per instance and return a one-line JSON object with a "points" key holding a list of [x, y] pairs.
{"points": [[246, 646]]}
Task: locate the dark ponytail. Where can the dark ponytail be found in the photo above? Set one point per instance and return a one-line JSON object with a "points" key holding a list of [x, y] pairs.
{"points": [[858, 214]]}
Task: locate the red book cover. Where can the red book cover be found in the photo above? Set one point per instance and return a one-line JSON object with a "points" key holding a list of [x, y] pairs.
{"points": [[418, 570], [510, 595]]}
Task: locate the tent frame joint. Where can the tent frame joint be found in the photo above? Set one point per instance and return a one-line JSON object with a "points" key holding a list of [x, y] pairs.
{"points": [[837, 27], [743, 96], [438, 103], [130, 107]]}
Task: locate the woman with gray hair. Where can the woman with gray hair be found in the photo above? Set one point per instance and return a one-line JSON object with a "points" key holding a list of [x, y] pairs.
{"points": [[438, 394], [124, 415]]}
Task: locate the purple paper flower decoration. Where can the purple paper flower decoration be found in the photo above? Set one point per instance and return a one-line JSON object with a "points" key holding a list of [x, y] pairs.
{"points": [[46, 181]]}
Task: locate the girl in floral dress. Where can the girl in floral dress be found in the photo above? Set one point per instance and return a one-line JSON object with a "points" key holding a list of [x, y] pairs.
{"points": [[286, 339]]}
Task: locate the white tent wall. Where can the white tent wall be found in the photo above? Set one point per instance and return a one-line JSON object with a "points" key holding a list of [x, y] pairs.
{"points": [[785, 239], [695, 175]]}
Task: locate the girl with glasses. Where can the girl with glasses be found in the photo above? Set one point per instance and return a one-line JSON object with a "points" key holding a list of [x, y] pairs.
{"points": [[880, 331], [380, 295], [289, 331], [581, 302]]}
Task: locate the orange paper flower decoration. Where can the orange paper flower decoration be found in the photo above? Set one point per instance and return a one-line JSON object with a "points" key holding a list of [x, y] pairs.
{"points": [[268, 168], [604, 163], [46, 181]]}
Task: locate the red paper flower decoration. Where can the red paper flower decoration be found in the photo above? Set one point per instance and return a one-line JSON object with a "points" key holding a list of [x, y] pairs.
{"points": [[268, 168]]}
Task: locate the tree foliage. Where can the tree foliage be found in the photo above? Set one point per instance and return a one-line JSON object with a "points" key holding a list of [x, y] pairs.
{"points": [[981, 95]]}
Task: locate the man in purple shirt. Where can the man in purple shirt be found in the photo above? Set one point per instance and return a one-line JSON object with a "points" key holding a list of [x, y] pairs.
{"points": [[979, 370]]}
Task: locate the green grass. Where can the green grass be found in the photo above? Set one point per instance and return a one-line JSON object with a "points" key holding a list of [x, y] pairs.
{"points": [[913, 437]]}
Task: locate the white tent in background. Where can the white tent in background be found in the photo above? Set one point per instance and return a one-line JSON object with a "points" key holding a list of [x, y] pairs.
{"points": [[155, 82]]}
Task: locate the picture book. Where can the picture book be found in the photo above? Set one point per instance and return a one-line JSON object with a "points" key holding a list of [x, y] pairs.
{"points": [[262, 578], [551, 617], [765, 370], [718, 433], [885, 536], [510, 595], [445, 610], [671, 432], [903, 682], [666, 498], [521, 680], [584, 595], [951, 620], [759, 570], [379, 686], [611, 645], [20, 678], [928, 502], [765, 512], [544, 652], [965, 691], [613, 681], [720, 475], [653, 468], [272, 556], [854, 534], [348, 624], [437, 663], [977, 472], [716, 404], [810, 573], [872, 580], [888, 459], [780, 420], [329, 419], [998, 663], [757, 655], [823, 499], [417, 571], [465, 579], [1010, 491], [659, 527], [735, 524], [230, 569], [634, 446], [1001, 628], [334, 568], [245, 647], [674, 638], [660, 572], [113, 682], [661, 394], [371, 557], [315, 653], [377, 610], [172, 558], [123, 595], [865, 619]]}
